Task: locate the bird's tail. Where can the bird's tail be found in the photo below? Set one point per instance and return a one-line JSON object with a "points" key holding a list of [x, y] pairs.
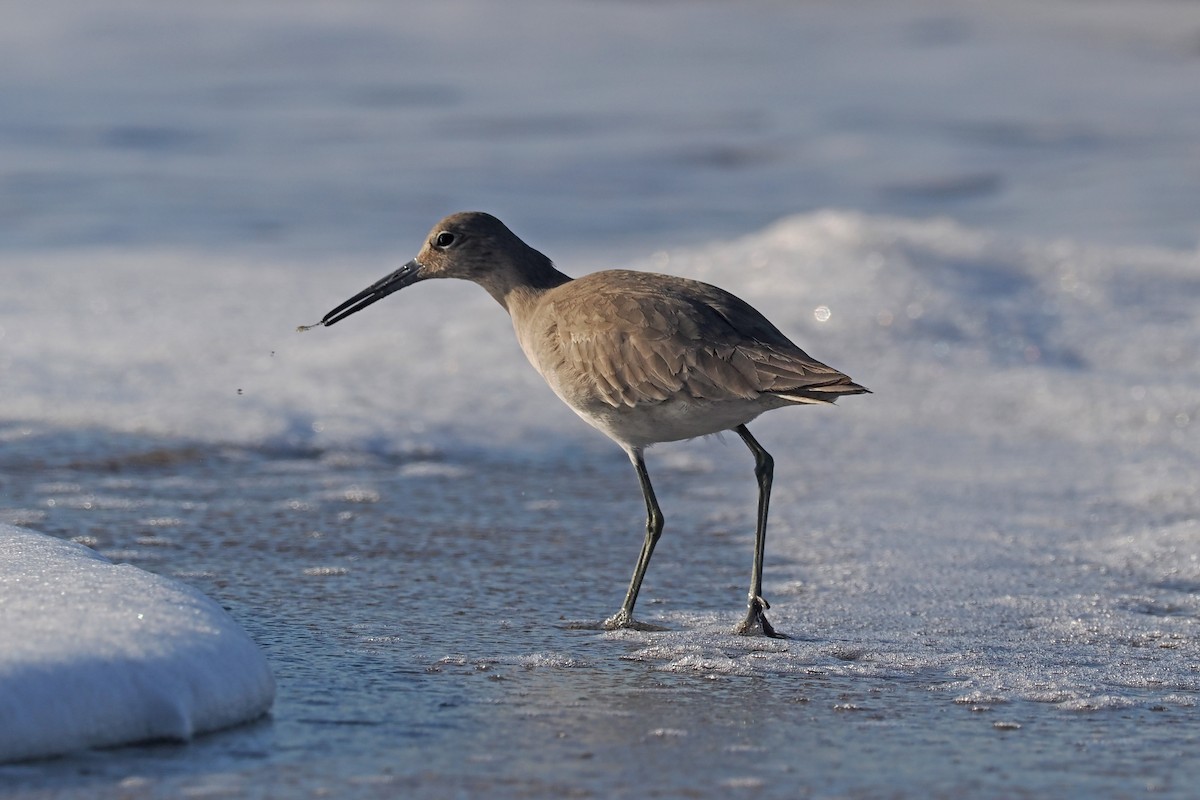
{"points": [[825, 393]]}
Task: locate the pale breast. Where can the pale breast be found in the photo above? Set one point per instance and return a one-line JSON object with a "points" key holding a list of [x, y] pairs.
{"points": [[674, 420]]}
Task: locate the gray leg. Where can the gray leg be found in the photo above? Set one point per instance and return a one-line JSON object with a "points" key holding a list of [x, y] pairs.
{"points": [[654, 526], [764, 470]]}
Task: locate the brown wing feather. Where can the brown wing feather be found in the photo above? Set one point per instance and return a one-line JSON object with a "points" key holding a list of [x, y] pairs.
{"points": [[632, 337]]}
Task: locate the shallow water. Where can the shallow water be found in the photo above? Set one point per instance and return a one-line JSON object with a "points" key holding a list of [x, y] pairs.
{"points": [[419, 612]]}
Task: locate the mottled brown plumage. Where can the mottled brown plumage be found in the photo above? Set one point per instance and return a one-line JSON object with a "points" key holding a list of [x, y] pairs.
{"points": [[644, 358]]}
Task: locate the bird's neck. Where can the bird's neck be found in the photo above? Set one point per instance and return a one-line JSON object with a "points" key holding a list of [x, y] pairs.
{"points": [[519, 289]]}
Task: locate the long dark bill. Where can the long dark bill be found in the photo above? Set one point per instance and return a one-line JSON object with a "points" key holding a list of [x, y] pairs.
{"points": [[409, 274]]}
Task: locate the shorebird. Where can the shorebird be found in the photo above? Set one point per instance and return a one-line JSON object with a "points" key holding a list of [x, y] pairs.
{"points": [[644, 358]]}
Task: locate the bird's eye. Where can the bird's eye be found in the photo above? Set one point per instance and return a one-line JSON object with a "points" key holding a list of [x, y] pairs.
{"points": [[444, 239]]}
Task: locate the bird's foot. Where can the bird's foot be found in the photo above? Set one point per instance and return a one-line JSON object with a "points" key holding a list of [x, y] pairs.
{"points": [[755, 623], [623, 619]]}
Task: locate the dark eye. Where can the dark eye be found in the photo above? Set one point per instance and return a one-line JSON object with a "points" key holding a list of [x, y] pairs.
{"points": [[444, 239]]}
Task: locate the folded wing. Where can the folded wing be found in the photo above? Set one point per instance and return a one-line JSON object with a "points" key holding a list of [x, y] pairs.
{"points": [[638, 338]]}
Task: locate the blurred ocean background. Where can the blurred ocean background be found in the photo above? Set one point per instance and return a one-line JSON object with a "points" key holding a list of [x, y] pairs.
{"points": [[989, 214]]}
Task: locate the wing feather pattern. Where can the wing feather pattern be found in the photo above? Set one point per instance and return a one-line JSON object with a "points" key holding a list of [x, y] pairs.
{"points": [[631, 338]]}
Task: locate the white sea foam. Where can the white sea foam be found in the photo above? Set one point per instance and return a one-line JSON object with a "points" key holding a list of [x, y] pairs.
{"points": [[96, 654], [978, 332]]}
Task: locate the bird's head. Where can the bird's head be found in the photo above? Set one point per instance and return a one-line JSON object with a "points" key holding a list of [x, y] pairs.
{"points": [[470, 245]]}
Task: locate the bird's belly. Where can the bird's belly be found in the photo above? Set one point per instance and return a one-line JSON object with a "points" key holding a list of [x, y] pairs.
{"points": [[648, 422], [668, 421]]}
